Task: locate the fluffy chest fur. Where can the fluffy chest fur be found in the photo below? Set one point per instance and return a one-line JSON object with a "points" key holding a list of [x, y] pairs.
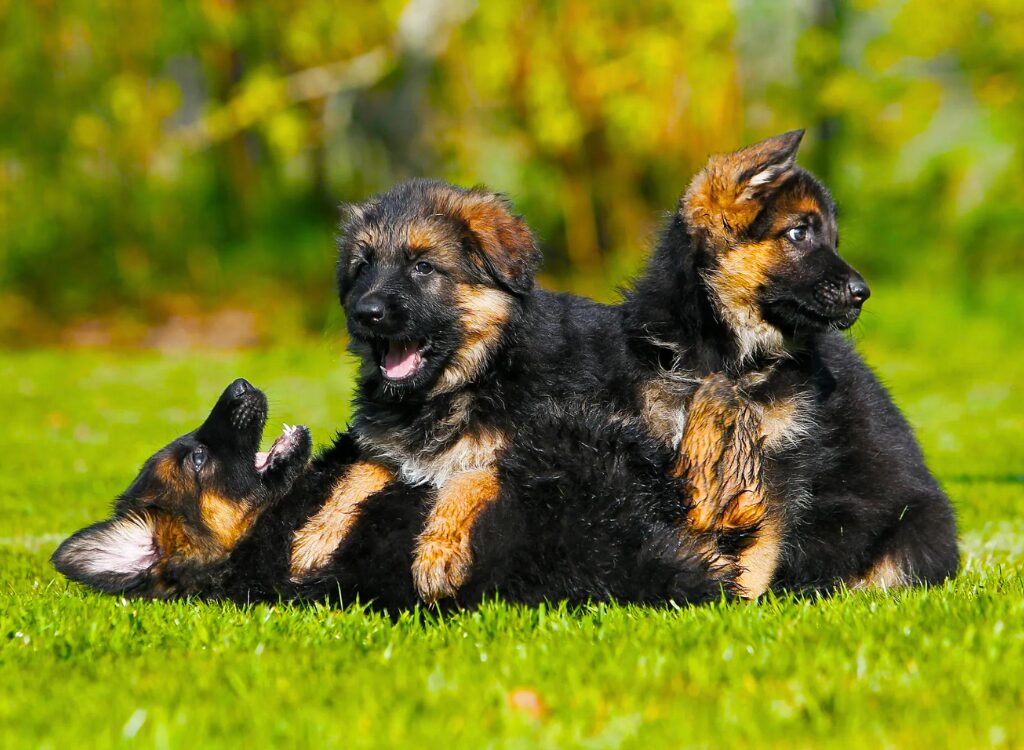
{"points": [[434, 445]]}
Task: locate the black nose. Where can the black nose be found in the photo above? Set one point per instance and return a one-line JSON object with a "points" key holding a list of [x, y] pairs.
{"points": [[858, 290], [240, 387], [370, 310]]}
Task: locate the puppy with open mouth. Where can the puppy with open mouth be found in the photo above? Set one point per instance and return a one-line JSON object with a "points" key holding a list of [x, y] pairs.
{"points": [[725, 349], [191, 503], [585, 514], [456, 349], [790, 458]]}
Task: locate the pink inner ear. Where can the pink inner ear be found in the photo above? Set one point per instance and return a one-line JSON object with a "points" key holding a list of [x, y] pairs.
{"points": [[124, 546]]}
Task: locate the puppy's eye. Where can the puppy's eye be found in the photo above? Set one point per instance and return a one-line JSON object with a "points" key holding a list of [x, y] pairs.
{"points": [[198, 457], [423, 268], [797, 234]]}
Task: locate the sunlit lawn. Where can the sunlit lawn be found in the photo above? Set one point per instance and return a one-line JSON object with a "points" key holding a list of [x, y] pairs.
{"points": [[931, 668]]}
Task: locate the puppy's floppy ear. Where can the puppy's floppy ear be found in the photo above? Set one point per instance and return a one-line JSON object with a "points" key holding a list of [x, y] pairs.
{"points": [[351, 215], [727, 190], [111, 556], [505, 246]]}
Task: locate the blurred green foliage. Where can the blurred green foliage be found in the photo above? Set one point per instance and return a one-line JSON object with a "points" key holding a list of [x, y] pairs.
{"points": [[161, 154]]}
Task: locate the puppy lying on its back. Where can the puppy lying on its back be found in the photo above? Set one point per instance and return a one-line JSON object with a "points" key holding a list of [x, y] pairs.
{"points": [[584, 513]]}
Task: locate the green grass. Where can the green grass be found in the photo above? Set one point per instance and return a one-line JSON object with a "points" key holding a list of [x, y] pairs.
{"points": [[926, 668]]}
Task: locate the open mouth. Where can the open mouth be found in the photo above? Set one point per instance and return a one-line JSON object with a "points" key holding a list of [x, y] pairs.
{"points": [[285, 444], [402, 360]]}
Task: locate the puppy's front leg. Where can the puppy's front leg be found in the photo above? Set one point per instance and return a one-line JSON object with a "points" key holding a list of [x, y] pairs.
{"points": [[443, 555], [315, 543], [721, 460]]}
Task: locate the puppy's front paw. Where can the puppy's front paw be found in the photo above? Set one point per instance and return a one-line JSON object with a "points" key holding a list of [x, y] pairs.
{"points": [[281, 465], [440, 567]]}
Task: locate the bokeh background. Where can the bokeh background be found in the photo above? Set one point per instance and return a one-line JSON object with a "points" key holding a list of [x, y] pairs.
{"points": [[170, 170]]}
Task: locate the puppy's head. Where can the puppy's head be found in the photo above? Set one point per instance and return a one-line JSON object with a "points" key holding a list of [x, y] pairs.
{"points": [[191, 503], [768, 229], [429, 275]]}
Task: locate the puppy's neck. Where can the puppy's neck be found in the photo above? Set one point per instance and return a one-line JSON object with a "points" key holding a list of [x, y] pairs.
{"points": [[682, 305]]}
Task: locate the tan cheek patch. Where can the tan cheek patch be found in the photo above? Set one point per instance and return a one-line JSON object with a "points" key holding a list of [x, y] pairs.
{"points": [[443, 554], [742, 271], [734, 283], [484, 310], [483, 313], [315, 543], [228, 521]]}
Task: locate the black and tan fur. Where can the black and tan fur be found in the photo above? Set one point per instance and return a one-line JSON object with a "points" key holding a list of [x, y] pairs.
{"points": [[448, 273], [451, 271], [724, 350], [191, 503], [746, 293], [582, 513]]}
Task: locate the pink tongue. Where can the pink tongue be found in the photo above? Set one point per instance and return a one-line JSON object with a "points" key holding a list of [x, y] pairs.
{"points": [[401, 363]]}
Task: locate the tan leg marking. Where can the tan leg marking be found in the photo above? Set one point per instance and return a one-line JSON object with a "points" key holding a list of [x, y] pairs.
{"points": [[314, 543], [759, 561], [720, 457], [885, 573], [443, 555]]}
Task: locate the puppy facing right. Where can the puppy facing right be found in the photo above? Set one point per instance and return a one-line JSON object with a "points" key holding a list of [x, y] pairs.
{"points": [[746, 293]]}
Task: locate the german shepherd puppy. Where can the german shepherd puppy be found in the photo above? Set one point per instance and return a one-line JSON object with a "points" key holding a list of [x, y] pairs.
{"points": [[191, 503], [585, 513], [457, 350], [790, 436]]}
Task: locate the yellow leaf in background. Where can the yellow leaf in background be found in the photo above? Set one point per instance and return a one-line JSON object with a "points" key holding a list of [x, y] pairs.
{"points": [[89, 131], [286, 133]]}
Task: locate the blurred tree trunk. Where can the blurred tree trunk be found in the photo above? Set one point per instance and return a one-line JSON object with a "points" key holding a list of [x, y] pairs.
{"points": [[830, 18]]}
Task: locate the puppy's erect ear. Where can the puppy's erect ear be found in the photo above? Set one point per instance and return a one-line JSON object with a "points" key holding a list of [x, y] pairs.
{"points": [[506, 246], [726, 193], [111, 556], [763, 164]]}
